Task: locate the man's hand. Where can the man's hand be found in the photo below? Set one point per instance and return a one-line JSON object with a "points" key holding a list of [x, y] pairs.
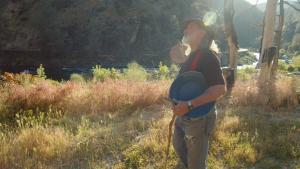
{"points": [[180, 109], [177, 53]]}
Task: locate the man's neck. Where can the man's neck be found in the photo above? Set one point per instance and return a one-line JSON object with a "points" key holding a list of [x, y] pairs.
{"points": [[194, 47]]}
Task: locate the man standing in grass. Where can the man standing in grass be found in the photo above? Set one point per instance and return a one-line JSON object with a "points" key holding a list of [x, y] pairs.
{"points": [[191, 134]]}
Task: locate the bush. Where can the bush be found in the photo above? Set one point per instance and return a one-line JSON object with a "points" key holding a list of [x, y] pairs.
{"points": [[77, 78], [100, 73], [163, 71], [246, 58], [290, 69], [296, 61], [41, 72], [174, 70], [246, 73], [115, 74], [282, 66], [135, 71]]}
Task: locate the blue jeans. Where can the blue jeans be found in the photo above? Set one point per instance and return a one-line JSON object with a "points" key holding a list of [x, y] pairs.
{"points": [[190, 139]]}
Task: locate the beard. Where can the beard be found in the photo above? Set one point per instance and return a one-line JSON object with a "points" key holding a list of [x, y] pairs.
{"points": [[185, 42]]}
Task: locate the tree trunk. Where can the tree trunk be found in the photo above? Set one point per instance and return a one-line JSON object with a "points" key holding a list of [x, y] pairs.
{"points": [[278, 38], [231, 36], [267, 49]]}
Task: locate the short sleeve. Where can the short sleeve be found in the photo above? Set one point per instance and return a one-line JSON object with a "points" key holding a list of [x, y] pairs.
{"points": [[212, 71]]}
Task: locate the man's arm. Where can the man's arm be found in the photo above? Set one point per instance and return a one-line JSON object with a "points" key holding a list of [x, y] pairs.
{"points": [[213, 75], [211, 94]]}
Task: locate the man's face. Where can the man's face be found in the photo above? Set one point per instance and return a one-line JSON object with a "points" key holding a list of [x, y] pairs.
{"points": [[194, 33]]}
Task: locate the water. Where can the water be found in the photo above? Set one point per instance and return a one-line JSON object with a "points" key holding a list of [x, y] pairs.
{"points": [[252, 65]]}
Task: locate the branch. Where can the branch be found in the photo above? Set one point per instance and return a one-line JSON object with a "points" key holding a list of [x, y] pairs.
{"points": [[293, 6]]}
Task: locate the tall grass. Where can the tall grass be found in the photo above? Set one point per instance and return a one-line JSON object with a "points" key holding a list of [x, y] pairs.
{"points": [[122, 123], [83, 98], [281, 94]]}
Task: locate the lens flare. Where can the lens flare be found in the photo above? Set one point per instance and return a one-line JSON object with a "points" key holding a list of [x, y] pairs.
{"points": [[210, 18]]}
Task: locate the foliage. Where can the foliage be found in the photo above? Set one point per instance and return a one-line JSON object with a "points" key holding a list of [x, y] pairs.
{"points": [[282, 66], [29, 118], [283, 52], [77, 78], [247, 58], [290, 68], [41, 72], [296, 61], [135, 72], [115, 74], [246, 73], [163, 71], [100, 74], [174, 70]]}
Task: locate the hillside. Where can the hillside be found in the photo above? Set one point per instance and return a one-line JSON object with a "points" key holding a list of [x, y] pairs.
{"points": [[291, 34], [84, 33]]}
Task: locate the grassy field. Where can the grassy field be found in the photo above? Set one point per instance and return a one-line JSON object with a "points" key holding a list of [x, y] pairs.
{"points": [[119, 121]]}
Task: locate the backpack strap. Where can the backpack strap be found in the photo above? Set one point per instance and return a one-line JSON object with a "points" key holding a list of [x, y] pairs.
{"points": [[195, 62]]}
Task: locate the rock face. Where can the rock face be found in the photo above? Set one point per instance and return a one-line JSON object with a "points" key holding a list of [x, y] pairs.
{"points": [[107, 32]]}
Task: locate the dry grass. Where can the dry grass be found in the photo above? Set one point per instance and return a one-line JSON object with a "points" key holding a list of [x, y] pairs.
{"points": [[81, 98], [114, 95], [280, 95], [36, 148], [122, 124]]}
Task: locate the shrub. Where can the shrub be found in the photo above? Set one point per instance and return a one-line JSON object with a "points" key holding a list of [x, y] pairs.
{"points": [[246, 73], [163, 71], [41, 72], [100, 73], [115, 74], [290, 69], [296, 61], [136, 72], [282, 66], [77, 78], [246, 58], [174, 69], [21, 78]]}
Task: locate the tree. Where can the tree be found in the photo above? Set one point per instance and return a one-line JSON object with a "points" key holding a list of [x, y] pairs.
{"points": [[231, 38], [278, 38], [268, 50], [230, 34]]}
